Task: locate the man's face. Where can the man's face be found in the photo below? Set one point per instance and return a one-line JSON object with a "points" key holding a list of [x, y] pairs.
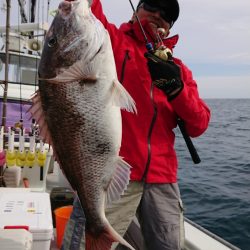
{"points": [[154, 19]]}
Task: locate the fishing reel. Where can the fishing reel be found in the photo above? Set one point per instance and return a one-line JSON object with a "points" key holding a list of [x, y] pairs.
{"points": [[161, 51]]}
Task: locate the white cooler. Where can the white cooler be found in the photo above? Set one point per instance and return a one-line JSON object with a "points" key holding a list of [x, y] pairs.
{"points": [[30, 209], [15, 239]]}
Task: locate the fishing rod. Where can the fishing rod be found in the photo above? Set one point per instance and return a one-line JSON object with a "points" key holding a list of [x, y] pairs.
{"points": [[168, 56]]}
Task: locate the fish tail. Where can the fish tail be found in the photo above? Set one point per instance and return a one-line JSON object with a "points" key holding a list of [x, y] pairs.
{"points": [[105, 240]]}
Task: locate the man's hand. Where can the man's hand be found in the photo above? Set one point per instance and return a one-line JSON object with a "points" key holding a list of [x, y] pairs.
{"points": [[166, 75]]}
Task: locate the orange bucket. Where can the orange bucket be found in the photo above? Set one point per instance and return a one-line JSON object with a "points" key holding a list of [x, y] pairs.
{"points": [[62, 215]]}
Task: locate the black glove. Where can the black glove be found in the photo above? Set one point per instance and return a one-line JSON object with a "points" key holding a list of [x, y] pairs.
{"points": [[166, 75]]}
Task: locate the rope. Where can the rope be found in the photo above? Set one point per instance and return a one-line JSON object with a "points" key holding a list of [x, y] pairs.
{"points": [[19, 71], [48, 6], [38, 20]]}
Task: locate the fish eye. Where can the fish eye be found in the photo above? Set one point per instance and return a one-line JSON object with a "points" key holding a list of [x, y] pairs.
{"points": [[52, 42]]}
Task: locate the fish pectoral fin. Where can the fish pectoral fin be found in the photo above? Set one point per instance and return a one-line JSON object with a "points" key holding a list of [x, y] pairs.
{"points": [[64, 79], [119, 182], [121, 98], [74, 73], [37, 113]]}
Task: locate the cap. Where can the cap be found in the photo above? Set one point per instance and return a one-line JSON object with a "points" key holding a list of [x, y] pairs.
{"points": [[170, 7]]}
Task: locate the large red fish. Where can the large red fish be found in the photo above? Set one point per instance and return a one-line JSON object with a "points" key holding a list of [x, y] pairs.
{"points": [[78, 109]]}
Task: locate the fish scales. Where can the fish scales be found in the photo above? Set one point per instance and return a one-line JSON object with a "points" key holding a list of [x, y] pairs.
{"points": [[78, 108], [89, 145]]}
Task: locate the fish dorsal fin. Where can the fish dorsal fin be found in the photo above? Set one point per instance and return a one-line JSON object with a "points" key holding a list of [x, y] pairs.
{"points": [[38, 114], [121, 98], [119, 181], [74, 73]]}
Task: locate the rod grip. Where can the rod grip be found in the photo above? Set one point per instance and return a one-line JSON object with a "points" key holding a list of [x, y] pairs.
{"points": [[192, 150]]}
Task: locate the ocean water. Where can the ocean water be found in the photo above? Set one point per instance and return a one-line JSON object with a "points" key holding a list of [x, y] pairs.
{"points": [[216, 192]]}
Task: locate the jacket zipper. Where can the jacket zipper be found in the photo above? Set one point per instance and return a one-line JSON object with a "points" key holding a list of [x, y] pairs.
{"points": [[150, 133], [126, 57]]}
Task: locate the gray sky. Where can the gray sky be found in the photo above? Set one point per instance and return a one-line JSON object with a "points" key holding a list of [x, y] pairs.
{"points": [[214, 41]]}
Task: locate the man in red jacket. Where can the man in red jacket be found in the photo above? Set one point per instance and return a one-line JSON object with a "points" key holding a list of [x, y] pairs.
{"points": [[164, 91]]}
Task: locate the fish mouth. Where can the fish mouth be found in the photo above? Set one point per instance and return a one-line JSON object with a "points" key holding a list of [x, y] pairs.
{"points": [[65, 8]]}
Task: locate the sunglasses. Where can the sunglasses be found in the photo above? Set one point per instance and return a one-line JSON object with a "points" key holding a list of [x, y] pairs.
{"points": [[154, 9]]}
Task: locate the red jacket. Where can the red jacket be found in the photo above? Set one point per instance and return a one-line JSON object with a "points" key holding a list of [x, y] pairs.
{"points": [[148, 137]]}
